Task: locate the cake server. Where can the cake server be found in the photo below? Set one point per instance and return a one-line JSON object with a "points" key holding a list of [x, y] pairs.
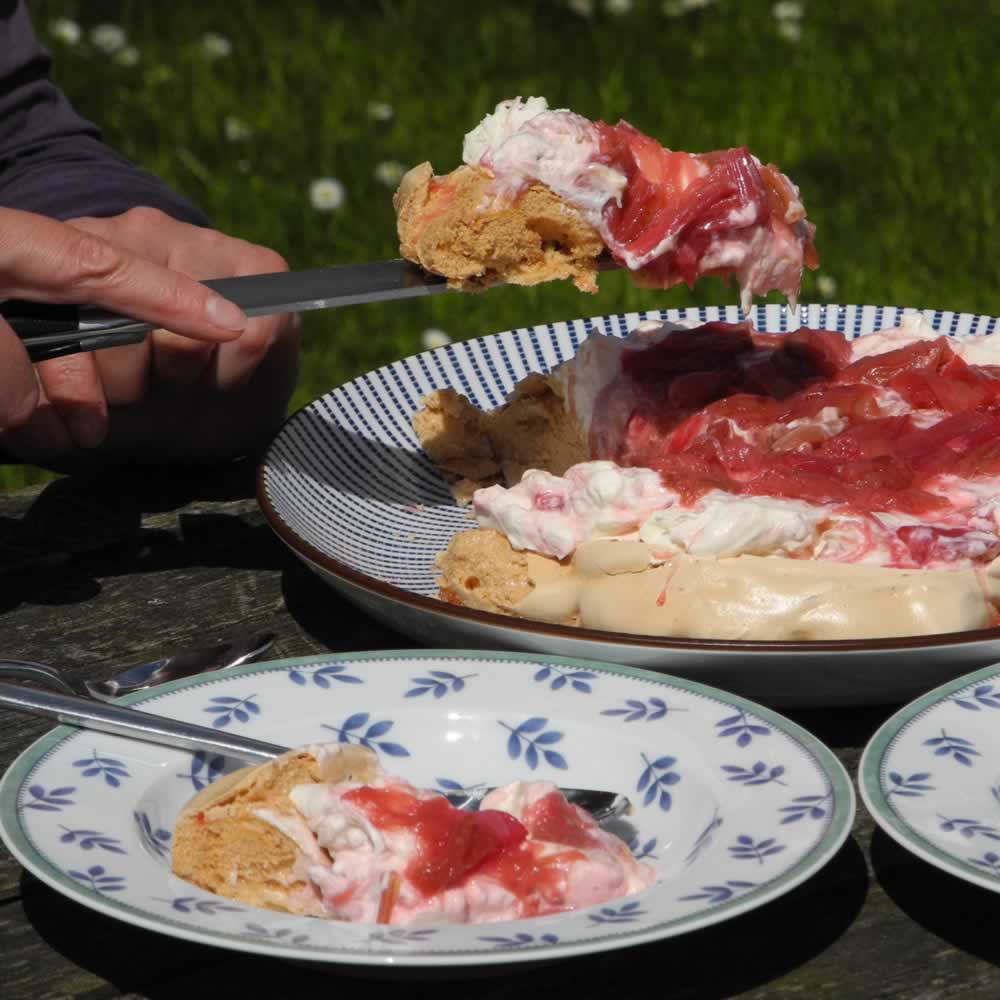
{"points": [[51, 331], [133, 724]]}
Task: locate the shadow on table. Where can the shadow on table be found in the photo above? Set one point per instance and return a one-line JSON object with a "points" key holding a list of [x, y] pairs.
{"points": [[741, 954], [330, 619], [81, 528], [958, 912]]}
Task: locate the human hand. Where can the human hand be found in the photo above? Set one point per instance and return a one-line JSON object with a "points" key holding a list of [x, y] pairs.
{"points": [[46, 260], [171, 396]]}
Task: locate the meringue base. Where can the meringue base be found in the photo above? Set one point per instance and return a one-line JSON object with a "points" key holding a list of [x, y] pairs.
{"points": [[624, 586]]}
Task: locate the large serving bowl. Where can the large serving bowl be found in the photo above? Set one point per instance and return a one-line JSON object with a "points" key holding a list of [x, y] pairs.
{"points": [[347, 488]]}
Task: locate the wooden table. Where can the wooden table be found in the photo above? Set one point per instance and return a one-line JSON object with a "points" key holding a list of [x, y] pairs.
{"points": [[100, 573]]}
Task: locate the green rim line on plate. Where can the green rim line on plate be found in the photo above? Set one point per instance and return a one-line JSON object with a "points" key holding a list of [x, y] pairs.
{"points": [[838, 829], [880, 806]]}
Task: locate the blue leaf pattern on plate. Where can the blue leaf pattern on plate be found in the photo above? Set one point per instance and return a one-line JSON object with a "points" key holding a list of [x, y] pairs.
{"points": [[635, 710], [322, 676], [656, 779], [561, 676], [226, 709], [205, 768], [911, 786], [812, 806], [716, 894], [989, 861], [956, 747], [983, 696], [97, 879], [207, 907], [111, 769], [758, 774], [438, 683], [522, 738], [284, 935], [155, 838], [618, 914], [739, 726], [747, 849], [49, 801], [89, 839], [348, 732], [643, 851], [521, 939], [968, 828]]}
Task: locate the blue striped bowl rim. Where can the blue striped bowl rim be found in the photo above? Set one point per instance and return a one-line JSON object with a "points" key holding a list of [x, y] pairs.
{"points": [[346, 486]]}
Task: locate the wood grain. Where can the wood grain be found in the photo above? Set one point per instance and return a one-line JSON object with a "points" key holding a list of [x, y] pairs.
{"points": [[100, 573]]}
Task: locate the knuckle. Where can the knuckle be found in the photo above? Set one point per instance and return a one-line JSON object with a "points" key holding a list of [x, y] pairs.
{"points": [[144, 216], [92, 260]]}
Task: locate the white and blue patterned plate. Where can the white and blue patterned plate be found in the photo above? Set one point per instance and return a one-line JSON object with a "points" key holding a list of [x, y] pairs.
{"points": [[733, 805], [930, 777], [347, 488]]}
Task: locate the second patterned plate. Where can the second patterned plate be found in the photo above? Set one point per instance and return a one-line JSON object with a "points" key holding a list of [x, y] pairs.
{"points": [[930, 777], [733, 804]]}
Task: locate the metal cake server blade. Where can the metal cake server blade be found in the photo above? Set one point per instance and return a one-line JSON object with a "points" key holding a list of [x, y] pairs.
{"points": [[119, 720]]}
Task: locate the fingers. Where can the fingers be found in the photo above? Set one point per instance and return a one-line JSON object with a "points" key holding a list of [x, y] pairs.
{"points": [[73, 387], [19, 390], [44, 259]]}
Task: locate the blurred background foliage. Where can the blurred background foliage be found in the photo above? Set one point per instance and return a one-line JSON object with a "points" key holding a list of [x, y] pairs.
{"points": [[885, 113]]}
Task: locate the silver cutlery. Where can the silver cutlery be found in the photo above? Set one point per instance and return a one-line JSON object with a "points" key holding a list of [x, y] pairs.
{"points": [[230, 652], [118, 720], [51, 331]]}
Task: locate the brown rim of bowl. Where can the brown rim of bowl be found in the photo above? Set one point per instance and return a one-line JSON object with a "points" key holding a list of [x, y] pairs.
{"points": [[387, 590]]}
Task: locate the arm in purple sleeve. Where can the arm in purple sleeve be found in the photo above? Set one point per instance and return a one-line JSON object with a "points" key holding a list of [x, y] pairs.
{"points": [[52, 161]]}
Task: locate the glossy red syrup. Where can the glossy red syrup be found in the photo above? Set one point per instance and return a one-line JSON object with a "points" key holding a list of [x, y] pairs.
{"points": [[454, 845]]}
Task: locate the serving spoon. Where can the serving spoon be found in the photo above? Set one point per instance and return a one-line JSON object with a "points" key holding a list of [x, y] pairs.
{"points": [[119, 720]]}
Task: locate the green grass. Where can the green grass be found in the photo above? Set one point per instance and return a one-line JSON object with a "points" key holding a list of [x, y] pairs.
{"points": [[885, 113]]}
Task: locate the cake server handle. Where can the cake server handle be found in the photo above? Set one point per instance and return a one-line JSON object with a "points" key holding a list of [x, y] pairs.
{"points": [[120, 720]]}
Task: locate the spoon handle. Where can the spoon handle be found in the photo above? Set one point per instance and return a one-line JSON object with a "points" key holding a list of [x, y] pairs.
{"points": [[133, 724]]}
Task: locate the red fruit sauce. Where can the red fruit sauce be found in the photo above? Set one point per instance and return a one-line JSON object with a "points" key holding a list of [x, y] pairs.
{"points": [[454, 845], [723, 407]]}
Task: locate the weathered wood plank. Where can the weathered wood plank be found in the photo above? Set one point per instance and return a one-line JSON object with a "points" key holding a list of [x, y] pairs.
{"points": [[95, 576]]}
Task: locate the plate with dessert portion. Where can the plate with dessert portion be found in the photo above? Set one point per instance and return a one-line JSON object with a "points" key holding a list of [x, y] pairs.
{"points": [[799, 506], [930, 779], [343, 850]]}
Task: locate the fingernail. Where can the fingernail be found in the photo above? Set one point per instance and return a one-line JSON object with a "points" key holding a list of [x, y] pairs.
{"points": [[88, 428], [225, 314]]}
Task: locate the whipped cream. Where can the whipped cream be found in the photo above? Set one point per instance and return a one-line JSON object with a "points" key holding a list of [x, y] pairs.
{"points": [[726, 525], [554, 514], [523, 141]]}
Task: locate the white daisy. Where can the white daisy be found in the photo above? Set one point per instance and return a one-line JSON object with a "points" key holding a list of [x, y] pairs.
{"points": [[235, 129], [326, 194], [787, 10], [65, 30], [585, 8], [216, 46], [389, 173], [790, 30], [380, 111], [826, 285], [109, 38], [618, 6], [128, 56], [433, 337]]}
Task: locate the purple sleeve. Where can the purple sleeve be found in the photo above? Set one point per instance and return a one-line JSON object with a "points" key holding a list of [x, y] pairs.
{"points": [[52, 161]]}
